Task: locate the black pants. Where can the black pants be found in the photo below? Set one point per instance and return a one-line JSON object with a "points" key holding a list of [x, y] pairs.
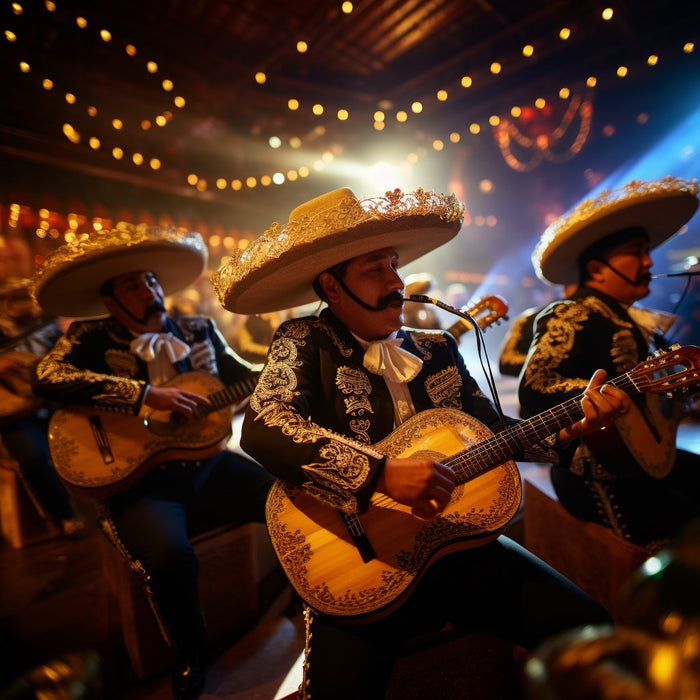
{"points": [[154, 521], [499, 588]]}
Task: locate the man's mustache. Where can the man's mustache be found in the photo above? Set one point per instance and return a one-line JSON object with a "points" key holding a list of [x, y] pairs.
{"points": [[157, 307], [389, 299]]}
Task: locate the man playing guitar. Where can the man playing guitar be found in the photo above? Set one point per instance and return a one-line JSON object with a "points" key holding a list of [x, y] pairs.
{"points": [[631, 478], [26, 334], [335, 384], [126, 362]]}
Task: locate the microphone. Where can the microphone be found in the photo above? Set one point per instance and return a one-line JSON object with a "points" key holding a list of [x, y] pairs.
{"points": [[422, 299], [690, 273]]}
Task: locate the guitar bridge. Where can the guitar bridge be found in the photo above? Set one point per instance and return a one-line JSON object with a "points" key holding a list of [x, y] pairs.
{"points": [[357, 532], [100, 435]]}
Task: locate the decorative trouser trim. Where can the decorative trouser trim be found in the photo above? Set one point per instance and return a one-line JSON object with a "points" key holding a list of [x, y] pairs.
{"points": [[110, 531]]}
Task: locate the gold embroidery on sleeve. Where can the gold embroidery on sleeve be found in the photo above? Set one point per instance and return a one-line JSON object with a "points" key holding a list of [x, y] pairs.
{"points": [[344, 463]]}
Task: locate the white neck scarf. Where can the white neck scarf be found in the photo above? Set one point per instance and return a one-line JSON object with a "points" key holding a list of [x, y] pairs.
{"points": [[387, 359], [161, 351], [148, 345], [650, 320]]}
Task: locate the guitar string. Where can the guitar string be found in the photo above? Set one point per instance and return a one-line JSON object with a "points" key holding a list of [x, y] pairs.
{"points": [[495, 451]]}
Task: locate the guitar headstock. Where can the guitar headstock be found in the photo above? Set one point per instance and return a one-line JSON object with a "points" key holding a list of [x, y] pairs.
{"points": [[489, 310], [675, 369]]}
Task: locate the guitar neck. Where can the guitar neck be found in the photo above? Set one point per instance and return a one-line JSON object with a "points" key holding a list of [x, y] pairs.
{"points": [[460, 327], [228, 395], [493, 452]]}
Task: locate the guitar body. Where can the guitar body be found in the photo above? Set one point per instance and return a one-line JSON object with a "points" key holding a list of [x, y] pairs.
{"points": [[323, 562], [644, 437], [102, 452]]}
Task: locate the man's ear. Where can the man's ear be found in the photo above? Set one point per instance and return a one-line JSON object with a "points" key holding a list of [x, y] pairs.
{"points": [[109, 303], [330, 286], [594, 268]]}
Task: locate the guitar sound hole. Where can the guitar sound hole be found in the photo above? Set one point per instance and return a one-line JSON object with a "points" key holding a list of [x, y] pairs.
{"points": [[177, 420]]}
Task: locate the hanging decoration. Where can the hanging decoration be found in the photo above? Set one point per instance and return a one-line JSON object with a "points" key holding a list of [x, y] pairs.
{"points": [[533, 134]]}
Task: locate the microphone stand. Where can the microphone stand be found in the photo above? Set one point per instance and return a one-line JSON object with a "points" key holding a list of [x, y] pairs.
{"points": [[690, 273], [481, 348]]}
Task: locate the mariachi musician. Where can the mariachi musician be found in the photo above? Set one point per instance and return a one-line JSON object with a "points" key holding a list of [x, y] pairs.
{"points": [[336, 384], [631, 478], [126, 362], [26, 334]]}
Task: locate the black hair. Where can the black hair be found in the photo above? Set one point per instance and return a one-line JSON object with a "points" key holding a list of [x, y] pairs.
{"points": [[107, 288], [338, 271]]}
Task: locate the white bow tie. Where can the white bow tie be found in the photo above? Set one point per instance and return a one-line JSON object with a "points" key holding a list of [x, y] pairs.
{"points": [[386, 358], [148, 345]]}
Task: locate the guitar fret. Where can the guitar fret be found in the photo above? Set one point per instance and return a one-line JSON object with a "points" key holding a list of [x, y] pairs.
{"points": [[498, 449]]}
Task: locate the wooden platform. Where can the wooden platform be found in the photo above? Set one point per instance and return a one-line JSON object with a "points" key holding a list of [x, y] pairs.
{"points": [[590, 555]]}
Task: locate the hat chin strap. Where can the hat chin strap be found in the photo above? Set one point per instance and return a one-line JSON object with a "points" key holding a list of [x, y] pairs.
{"points": [[356, 299], [141, 321], [619, 274]]}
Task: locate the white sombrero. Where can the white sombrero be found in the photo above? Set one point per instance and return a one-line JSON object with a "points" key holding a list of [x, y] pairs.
{"points": [[660, 207], [69, 281], [277, 270]]}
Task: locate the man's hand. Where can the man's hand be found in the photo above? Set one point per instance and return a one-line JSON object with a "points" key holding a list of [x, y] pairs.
{"points": [[601, 404], [422, 483], [165, 398]]}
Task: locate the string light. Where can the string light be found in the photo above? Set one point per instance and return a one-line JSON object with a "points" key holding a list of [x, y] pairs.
{"points": [[71, 98], [379, 122]]}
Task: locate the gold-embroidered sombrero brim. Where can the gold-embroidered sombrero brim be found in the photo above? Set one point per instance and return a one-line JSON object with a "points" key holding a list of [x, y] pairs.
{"points": [[277, 270], [660, 207], [69, 281]]}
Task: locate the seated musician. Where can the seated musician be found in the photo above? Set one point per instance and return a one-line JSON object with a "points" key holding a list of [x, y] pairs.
{"points": [[26, 334], [335, 384], [124, 362], [630, 479]]}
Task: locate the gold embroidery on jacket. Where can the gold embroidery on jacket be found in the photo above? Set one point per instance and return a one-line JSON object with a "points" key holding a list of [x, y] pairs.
{"points": [[623, 351], [443, 388], [424, 341], [355, 387], [556, 344], [119, 395], [121, 363], [342, 467], [344, 463]]}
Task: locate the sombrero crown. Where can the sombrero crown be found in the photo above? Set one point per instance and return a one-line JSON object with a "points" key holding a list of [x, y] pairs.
{"points": [[277, 270], [69, 281], [660, 207]]}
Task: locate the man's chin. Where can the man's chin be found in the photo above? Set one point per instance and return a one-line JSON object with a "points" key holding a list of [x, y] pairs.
{"points": [[155, 320]]}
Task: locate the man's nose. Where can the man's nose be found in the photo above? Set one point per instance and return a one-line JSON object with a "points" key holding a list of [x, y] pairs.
{"points": [[396, 281]]}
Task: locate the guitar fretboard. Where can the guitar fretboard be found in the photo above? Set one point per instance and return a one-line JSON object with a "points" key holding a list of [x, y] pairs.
{"points": [[498, 449], [228, 395]]}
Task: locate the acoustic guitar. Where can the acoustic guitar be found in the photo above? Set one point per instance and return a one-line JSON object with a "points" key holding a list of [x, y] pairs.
{"points": [[99, 452], [644, 437], [488, 310], [362, 567]]}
